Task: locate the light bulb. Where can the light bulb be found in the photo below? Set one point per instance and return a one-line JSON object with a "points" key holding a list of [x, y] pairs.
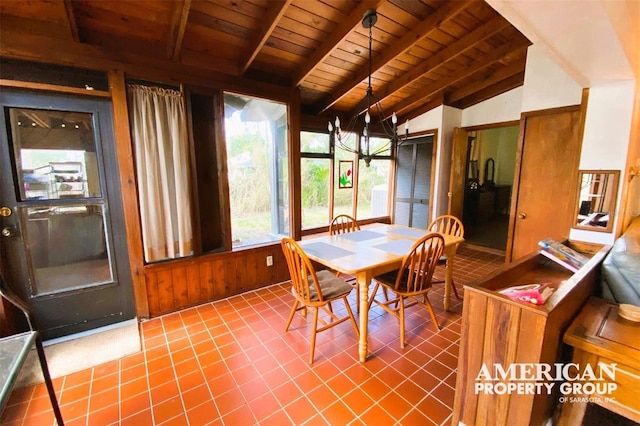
{"points": [[394, 118], [330, 127], [367, 117], [337, 123]]}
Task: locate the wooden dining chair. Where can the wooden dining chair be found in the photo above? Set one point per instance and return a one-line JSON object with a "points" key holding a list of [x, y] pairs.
{"points": [[412, 281], [342, 224], [315, 290], [449, 225]]}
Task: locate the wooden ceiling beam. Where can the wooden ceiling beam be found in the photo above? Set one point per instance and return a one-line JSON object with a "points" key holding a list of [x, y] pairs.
{"points": [[514, 68], [72, 24], [505, 85], [494, 56], [275, 11], [338, 35], [176, 29], [447, 54], [446, 12], [435, 102], [27, 47]]}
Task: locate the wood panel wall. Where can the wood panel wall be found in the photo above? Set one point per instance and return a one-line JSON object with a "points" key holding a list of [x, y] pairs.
{"points": [[183, 283]]}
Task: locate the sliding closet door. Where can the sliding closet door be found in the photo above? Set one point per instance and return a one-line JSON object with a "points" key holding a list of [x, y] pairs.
{"points": [[413, 182]]}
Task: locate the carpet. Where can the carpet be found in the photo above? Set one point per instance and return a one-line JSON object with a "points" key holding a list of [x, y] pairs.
{"points": [[82, 352]]}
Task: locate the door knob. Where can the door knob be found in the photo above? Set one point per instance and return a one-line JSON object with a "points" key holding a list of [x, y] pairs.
{"points": [[522, 215], [5, 211], [8, 231]]}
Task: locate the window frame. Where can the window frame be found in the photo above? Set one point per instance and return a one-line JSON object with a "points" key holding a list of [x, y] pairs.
{"points": [[357, 162]]}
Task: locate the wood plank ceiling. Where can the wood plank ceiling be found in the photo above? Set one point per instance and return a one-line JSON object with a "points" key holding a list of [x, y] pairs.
{"points": [[425, 52]]}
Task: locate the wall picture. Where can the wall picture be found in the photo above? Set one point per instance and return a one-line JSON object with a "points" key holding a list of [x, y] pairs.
{"points": [[345, 174]]}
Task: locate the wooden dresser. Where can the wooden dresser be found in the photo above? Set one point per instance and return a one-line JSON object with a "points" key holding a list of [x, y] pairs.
{"points": [[498, 330], [598, 336]]}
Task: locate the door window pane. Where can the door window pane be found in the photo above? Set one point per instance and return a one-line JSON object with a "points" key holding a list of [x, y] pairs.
{"points": [[68, 247], [257, 159], [55, 155]]}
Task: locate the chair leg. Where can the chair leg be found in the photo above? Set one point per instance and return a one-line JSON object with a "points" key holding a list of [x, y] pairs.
{"points": [[453, 284], [48, 382], [373, 295], [427, 303], [401, 302], [350, 313], [293, 311], [313, 334]]}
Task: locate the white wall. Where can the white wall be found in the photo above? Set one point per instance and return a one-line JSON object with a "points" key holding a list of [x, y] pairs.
{"points": [[606, 137], [546, 85], [499, 109]]}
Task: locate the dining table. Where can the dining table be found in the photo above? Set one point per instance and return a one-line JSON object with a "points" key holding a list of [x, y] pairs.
{"points": [[371, 251]]}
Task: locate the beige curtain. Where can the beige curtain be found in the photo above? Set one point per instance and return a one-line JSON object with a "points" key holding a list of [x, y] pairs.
{"points": [[159, 139]]}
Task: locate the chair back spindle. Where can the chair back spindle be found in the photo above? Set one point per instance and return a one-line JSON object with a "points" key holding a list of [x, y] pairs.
{"points": [[418, 266], [343, 224], [303, 275], [447, 224]]}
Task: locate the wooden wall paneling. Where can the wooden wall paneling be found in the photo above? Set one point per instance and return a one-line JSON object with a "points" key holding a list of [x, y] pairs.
{"points": [[243, 275], [228, 274], [194, 292], [124, 152], [152, 295], [179, 287], [217, 270], [207, 287], [165, 290]]}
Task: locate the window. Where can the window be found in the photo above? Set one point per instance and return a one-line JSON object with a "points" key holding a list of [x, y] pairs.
{"points": [[320, 182], [315, 168], [373, 183], [257, 160]]}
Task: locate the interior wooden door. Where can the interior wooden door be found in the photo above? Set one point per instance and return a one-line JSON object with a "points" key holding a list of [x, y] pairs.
{"points": [[543, 204], [458, 176]]}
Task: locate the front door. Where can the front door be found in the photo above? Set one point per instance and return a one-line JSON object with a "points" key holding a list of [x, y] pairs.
{"points": [[61, 212]]}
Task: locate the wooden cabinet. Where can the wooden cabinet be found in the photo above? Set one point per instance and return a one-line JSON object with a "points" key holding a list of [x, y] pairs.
{"points": [[498, 330], [599, 335]]}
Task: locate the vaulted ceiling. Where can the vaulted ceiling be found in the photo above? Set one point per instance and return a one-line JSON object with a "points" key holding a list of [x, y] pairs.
{"points": [[424, 52]]}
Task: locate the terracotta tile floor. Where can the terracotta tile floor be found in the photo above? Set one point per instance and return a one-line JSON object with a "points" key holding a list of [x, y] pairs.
{"points": [[230, 363]]}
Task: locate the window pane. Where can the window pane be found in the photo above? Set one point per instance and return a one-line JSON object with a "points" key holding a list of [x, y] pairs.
{"points": [[343, 197], [314, 142], [378, 146], [68, 247], [316, 174], [55, 154], [256, 137], [373, 189]]}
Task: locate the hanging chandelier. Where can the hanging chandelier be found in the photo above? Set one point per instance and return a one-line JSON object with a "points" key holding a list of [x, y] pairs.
{"points": [[370, 105]]}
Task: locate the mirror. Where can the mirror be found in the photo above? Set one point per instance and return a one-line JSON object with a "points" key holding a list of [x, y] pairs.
{"points": [[597, 194]]}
